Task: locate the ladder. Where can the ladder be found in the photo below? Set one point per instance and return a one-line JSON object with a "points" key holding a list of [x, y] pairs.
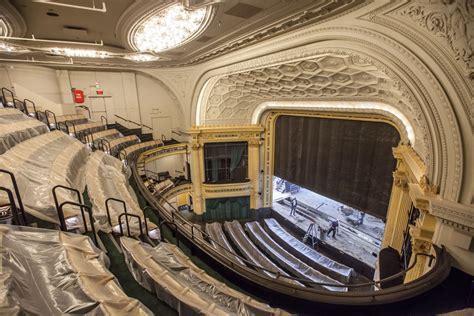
{"points": [[311, 234]]}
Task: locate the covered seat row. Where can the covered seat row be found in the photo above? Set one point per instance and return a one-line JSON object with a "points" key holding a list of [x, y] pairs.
{"points": [[39, 164], [308, 255], [286, 260], [137, 148], [105, 178], [167, 272], [114, 146], [16, 127], [253, 254], [49, 272]]}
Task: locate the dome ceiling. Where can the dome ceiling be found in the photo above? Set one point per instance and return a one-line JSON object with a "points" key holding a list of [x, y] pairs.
{"points": [[169, 33]]}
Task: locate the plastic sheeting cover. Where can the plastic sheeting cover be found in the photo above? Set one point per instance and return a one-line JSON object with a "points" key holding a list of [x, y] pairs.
{"points": [[217, 234], [307, 254], [48, 272], [166, 271], [41, 163], [252, 253], [16, 127], [105, 179], [287, 260]]}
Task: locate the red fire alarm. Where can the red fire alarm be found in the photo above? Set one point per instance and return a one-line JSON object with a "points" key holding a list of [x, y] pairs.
{"points": [[78, 96]]}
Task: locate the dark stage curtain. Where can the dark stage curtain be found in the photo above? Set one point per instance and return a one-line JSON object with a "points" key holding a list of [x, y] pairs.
{"points": [[348, 161]]}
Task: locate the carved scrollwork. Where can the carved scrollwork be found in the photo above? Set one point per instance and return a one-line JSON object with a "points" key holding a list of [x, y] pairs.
{"points": [[451, 21], [400, 179]]}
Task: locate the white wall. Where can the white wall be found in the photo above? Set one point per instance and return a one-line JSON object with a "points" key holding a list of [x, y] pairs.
{"points": [[40, 80], [174, 164], [156, 100], [136, 97]]}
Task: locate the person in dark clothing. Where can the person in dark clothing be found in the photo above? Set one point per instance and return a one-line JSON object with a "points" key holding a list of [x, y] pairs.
{"points": [[294, 204], [361, 218], [333, 228]]}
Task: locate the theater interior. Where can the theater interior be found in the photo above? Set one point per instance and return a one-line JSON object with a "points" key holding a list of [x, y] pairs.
{"points": [[236, 157]]}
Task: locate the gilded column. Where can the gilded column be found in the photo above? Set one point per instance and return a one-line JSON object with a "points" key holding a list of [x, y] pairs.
{"points": [[399, 207], [253, 172], [422, 235], [196, 177]]}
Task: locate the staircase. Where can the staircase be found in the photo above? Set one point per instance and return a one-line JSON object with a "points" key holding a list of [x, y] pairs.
{"points": [[131, 131]]}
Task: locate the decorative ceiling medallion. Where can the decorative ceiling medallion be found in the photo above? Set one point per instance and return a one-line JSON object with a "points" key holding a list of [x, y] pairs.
{"points": [[85, 53], [168, 28], [141, 58]]}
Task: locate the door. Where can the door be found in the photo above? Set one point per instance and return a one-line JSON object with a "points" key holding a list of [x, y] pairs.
{"points": [[97, 108], [161, 127]]}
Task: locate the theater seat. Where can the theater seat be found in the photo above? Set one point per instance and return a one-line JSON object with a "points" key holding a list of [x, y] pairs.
{"points": [[48, 272]]}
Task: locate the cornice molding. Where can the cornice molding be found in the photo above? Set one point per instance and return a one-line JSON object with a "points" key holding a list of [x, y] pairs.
{"points": [[460, 77], [457, 215]]}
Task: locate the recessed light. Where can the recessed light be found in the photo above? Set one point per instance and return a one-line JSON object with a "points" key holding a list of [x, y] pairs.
{"points": [[52, 14]]}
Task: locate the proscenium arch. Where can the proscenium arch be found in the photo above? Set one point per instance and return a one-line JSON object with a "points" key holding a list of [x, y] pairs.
{"points": [[269, 112], [439, 132]]}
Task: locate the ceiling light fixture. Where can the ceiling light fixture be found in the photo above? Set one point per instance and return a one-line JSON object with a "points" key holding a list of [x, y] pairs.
{"points": [[34, 61], [141, 58], [34, 39], [12, 49], [169, 28], [93, 8], [83, 53]]}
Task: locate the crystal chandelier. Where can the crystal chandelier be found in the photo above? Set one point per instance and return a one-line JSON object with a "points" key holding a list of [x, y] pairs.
{"points": [[169, 28], [73, 52], [140, 58]]}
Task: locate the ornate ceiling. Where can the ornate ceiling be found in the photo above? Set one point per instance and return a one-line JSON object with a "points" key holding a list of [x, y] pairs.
{"points": [[326, 77], [234, 24]]}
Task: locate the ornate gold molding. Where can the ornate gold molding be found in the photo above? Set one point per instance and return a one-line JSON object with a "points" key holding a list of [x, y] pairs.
{"points": [[227, 190], [226, 133]]}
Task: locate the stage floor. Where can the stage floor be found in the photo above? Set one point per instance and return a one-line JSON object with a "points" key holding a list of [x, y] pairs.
{"points": [[360, 241]]}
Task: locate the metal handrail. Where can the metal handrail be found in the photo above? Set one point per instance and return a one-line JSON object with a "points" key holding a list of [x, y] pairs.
{"points": [[62, 221], [67, 123], [17, 193], [87, 109], [82, 207], [108, 210], [13, 209], [102, 118], [46, 114], [128, 225], [4, 97], [34, 107], [177, 218], [127, 120], [104, 148], [22, 107]]}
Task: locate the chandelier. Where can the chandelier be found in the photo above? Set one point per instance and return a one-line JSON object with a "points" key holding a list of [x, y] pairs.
{"points": [[169, 28]]}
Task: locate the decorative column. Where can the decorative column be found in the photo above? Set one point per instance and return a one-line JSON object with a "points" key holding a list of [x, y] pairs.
{"points": [[423, 230], [398, 210], [253, 172], [196, 177], [202, 135]]}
